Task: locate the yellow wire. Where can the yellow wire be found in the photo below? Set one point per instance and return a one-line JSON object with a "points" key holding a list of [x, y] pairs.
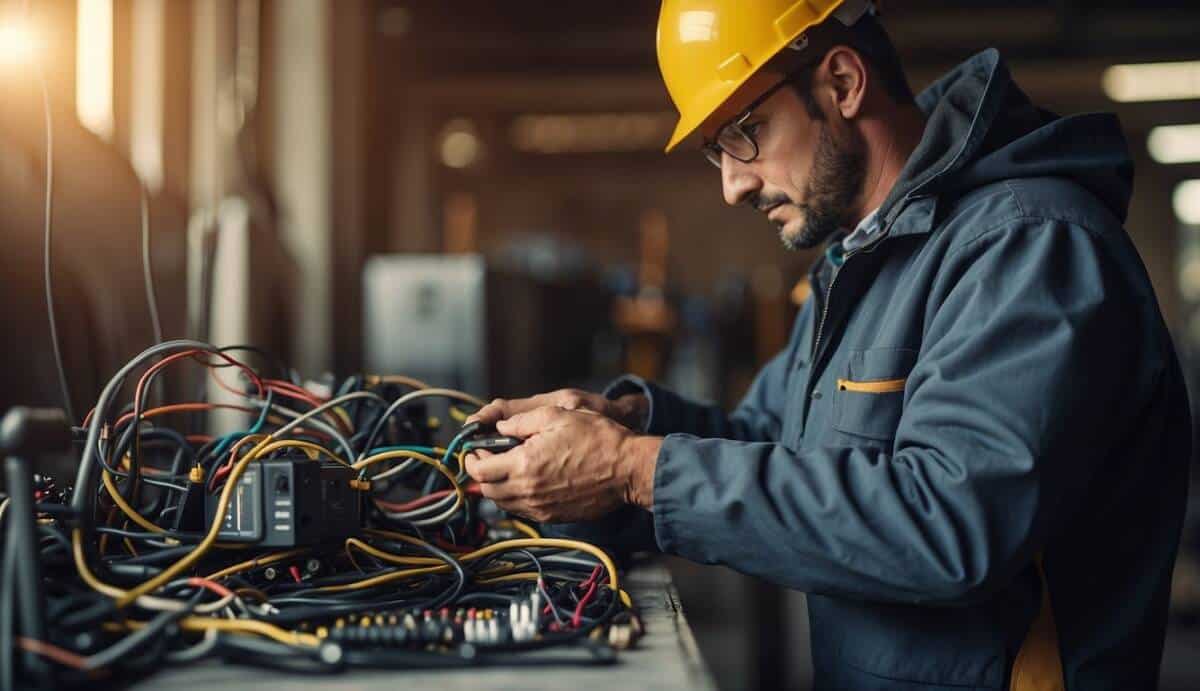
{"points": [[124, 597], [86, 573], [459, 495], [557, 543], [388, 556], [505, 546], [374, 379], [314, 450], [399, 453], [519, 526], [533, 577], [344, 418], [128, 510], [251, 626], [242, 626], [509, 577], [256, 562]]}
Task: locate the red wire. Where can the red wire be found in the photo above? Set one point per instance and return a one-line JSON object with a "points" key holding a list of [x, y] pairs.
{"points": [[426, 500], [593, 577], [138, 391], [210, 585], [578, 616], [414, 504], [288, 386], [181, 408], [59, 655], [295, 571], [307, 398]]}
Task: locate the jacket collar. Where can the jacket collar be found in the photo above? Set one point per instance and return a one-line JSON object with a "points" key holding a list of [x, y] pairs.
{"points": [[960, 109]]}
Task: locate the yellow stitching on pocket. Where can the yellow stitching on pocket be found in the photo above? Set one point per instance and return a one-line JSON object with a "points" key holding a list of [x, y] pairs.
{"points": [[877, 386]]}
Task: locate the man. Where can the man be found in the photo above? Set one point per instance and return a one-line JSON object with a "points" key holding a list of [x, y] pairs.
{"points": [[973, 452]]}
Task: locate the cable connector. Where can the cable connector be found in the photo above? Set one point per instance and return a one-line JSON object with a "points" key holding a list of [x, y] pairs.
{"points": [[196, 475], [361, 485]]}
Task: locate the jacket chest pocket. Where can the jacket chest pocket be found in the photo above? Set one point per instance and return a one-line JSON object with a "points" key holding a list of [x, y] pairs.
{"points": [[870, 393]]}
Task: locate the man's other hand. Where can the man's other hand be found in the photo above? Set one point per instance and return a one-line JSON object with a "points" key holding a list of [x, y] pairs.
{"points": [[629, 410], [574, 465]]}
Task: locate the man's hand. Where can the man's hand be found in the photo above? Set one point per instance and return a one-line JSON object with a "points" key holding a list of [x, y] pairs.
{"points": [[629, 410], [574, 465]]}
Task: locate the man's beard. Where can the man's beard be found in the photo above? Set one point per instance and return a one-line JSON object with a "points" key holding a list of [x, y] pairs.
{"points": [[838, 172]]}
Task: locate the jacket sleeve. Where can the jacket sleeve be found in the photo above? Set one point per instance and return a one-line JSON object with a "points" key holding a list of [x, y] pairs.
{"points": [[1007, 412], [757, 418]]}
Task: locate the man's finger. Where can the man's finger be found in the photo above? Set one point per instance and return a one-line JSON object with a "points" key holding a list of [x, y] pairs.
{"points": [[497, 467], [483, 468], [503, 493], [502, 409], [526, 425], [490, 414]]}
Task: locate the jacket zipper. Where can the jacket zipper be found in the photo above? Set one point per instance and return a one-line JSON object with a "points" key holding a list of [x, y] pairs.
{"points": [[829, 292]]}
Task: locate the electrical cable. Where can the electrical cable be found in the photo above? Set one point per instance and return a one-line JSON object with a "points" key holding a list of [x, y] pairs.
{"points": [[48, 264], [128, 644], [413, 396], [196, 652], [147, 266], [440, 557], [8, 610]]}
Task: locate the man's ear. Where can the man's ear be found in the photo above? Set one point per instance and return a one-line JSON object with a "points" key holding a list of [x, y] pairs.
{"points": [[847, 87]]}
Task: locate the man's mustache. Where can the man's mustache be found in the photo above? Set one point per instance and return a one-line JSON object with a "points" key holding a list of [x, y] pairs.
{"points": [[765, 204]]}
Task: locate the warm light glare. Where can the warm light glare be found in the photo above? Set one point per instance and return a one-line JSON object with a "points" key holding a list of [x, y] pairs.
{"points": [[1175, 144], [94, 66], [1187, 202], [461, 146], [1155, 81], [17, 44]]}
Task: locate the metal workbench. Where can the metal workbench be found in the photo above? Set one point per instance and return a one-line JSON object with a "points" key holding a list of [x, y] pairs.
{"points": [[665, 658]]}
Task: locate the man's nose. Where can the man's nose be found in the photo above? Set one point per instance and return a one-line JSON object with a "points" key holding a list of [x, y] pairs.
{"points": [[738, 183]]}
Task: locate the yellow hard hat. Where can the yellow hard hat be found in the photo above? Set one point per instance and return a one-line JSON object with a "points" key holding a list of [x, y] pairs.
{"points": [[708, 49]]}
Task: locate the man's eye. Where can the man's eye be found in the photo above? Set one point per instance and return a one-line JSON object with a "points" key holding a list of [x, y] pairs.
{"points": [[752, 128]]}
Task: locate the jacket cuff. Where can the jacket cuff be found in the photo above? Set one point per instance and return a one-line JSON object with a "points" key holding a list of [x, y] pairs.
{"points": [[667, 468], [687, 521], [665, 407]]}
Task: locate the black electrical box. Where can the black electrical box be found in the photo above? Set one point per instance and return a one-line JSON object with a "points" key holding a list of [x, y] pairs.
{"points": [[290, 503]]}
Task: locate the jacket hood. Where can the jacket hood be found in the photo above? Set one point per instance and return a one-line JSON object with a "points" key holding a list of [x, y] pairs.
{"points": [[981, 128]]}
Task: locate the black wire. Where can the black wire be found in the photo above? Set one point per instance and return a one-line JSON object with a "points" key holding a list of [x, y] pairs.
{"points": [[57, 535], [485, 597], [54, 509], [48, 264], [274, 655], [8, 576], [275, 360], [136, 535], [168, 554], [543, 588], [147, 633], [147, 269], [459, 573], [152, 434]]}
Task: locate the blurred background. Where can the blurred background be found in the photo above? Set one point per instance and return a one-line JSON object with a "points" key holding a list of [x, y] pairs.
{"points": [[474, 193]]}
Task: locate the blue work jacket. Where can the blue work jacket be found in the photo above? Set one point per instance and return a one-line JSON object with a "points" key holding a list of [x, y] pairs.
{"points": [[973, 453]]}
